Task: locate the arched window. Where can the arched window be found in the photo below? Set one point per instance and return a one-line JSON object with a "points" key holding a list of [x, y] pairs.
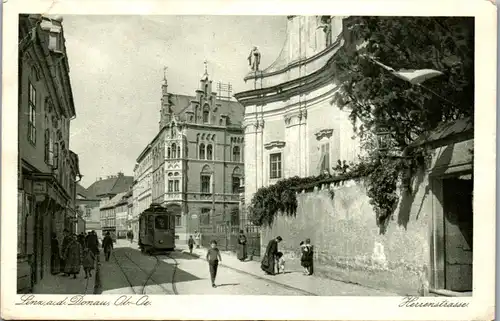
{"points": [[206, 180], [168, 152], [236, 154], [206, 115], [236, 180], [170, 183], [201, 153], [174, 150], [209, 152], [179, 151]]}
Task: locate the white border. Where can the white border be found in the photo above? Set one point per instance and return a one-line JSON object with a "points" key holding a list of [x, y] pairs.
{"points": [[268, 307]]}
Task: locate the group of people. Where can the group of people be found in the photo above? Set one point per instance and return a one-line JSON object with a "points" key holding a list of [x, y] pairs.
{"points": [[273, 260], [76, 251]]}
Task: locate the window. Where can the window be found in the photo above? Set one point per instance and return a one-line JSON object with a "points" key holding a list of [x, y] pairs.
{"points": [[174, 150], [206, 114], [87, 212], [161, 222], [201, 154], [236, 185], [178, 220], [32, 114], [325, 158], [209, 152], [205, 216], [236, 154], [205, 183], [176, 185], [170, 186], [179, 151], [275, 165]]}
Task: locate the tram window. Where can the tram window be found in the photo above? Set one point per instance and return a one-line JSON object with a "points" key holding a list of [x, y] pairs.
{"points": [[161, 222]]}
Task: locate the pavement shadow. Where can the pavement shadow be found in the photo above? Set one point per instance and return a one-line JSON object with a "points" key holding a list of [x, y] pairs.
{"points": [[228, 284], [186, 256], [129, 267]]}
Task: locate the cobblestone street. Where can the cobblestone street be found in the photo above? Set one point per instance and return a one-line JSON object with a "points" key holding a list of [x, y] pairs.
{"points": [[131, 272]]}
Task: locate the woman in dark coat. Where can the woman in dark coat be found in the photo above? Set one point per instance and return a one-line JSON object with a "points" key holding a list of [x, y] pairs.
{"points": [[55, 256], [73, 257], [269, 260], [242, 246], [307, 257]]}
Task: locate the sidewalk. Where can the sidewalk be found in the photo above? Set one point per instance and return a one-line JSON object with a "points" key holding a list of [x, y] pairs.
{"points": [[59, 284], [293, 277]]}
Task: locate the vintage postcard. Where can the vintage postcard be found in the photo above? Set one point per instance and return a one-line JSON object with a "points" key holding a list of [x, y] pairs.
{"points": [[248, 160]]}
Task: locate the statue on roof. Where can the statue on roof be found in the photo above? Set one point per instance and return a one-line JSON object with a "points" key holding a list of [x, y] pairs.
{"points": [[326, 25], [254, 59]]}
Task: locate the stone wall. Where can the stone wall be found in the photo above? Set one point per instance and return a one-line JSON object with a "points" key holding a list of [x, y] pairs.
{"points": [[349, 246]]}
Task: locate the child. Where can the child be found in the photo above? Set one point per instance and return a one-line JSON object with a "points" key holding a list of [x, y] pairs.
{"points": [[303, 259], [213, 258], [281, 262], [88, 262]]}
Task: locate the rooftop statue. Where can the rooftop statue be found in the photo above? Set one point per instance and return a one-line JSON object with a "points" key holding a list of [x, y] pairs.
{"points": [[254, 59]]}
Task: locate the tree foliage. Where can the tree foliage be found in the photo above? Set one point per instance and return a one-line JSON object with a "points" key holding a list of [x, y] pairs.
{"points": [[375, 97]]}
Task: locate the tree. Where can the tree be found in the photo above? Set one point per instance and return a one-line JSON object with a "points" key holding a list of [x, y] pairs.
{"points": [[376, 97]]}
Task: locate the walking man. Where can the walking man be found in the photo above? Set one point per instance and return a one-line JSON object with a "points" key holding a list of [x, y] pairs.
{"points": [[191, 244], [107, 245]]}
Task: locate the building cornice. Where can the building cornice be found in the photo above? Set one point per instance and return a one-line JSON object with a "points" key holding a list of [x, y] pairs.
{"points": [[324, 133], [275, 144], [284, 91], [298, 63]]}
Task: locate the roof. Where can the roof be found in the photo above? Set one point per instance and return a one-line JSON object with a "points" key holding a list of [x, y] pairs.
{"points": [[231, 108], [110, 186], [80, 190], [447, 130], [116, 200]]}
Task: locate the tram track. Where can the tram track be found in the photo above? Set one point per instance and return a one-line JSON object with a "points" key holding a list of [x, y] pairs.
{"points": [[149, 274]]}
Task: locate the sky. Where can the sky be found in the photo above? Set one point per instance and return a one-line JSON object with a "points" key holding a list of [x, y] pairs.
{"points": [[116, 71]]}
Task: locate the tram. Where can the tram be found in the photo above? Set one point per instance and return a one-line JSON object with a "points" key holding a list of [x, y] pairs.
{"points": [[157, 229]]}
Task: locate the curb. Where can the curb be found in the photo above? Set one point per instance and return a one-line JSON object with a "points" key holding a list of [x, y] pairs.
{"points": [[259, 277], [97, 278]]}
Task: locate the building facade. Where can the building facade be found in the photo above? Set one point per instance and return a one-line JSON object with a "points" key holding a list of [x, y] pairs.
{"points": [[291, 126], [195, 163], [47, 169], [102, 190]]}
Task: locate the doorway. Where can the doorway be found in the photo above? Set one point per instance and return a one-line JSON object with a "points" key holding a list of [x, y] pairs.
{"points": [[458, 231]]}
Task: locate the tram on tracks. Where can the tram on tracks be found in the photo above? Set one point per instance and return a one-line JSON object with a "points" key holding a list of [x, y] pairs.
{"points": [[157, 229]]}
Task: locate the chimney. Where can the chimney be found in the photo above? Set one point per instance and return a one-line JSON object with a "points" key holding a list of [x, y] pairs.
{"points": [[120, 174]]}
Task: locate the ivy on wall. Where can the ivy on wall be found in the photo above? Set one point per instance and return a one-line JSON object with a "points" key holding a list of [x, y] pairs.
{"points": [[380, 174]]}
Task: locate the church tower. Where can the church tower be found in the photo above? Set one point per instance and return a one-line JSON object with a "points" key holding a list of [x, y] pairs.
{"points": [[166, 111]]}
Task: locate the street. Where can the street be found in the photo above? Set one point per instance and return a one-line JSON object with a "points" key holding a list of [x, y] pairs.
{"points": [[131, 272]]}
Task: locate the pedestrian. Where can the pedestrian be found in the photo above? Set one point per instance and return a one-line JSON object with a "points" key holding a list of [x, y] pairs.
{"points": [[213, 258], [64, 247], [303, 257], [107, 245], [93, 242], [190, 244], [242, 246], [72, 257], [131, 236], [81, 240], [88, 262], [55, 258], [268, 263], [309, 257]]}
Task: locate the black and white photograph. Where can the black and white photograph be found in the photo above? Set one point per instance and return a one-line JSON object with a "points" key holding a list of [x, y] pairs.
{"points": [[249, 155]]}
